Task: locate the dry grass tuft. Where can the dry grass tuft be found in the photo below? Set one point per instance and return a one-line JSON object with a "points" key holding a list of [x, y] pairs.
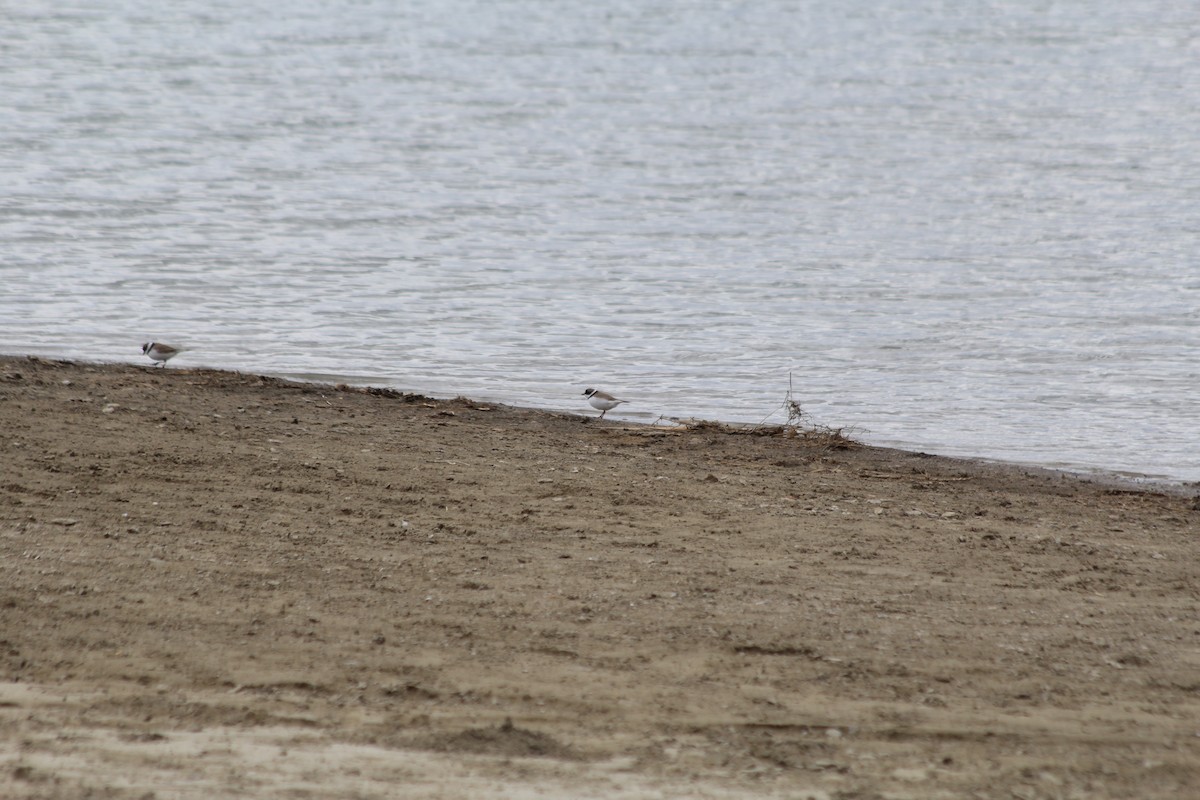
{"points": [[798, 426]]}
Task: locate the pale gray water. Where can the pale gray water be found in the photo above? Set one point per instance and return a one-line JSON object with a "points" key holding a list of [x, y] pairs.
{"points": [[963, 227]]}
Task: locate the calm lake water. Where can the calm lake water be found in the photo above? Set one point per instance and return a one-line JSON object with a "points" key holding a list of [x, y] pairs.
{"points": [[962, 227]]}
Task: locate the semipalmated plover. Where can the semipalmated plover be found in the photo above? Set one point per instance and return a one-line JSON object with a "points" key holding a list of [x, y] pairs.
{"points": [[162, 353], [601, 400]]}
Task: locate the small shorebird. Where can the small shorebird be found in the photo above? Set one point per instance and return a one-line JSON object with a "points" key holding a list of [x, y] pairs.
{"points": [[601, 400], [162, 353]]}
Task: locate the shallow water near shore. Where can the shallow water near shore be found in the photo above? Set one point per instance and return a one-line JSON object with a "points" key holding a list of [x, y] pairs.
{"points": [[966, 230]]}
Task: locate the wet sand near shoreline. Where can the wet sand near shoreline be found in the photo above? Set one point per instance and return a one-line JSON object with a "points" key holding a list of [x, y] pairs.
{"points": [[217, 584]]}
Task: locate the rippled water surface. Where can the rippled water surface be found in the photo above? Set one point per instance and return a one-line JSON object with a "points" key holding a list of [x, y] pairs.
{"points": [[968, 228]]}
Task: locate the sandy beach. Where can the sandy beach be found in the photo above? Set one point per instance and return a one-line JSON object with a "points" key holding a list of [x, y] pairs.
{"points": [[223, 585]]}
